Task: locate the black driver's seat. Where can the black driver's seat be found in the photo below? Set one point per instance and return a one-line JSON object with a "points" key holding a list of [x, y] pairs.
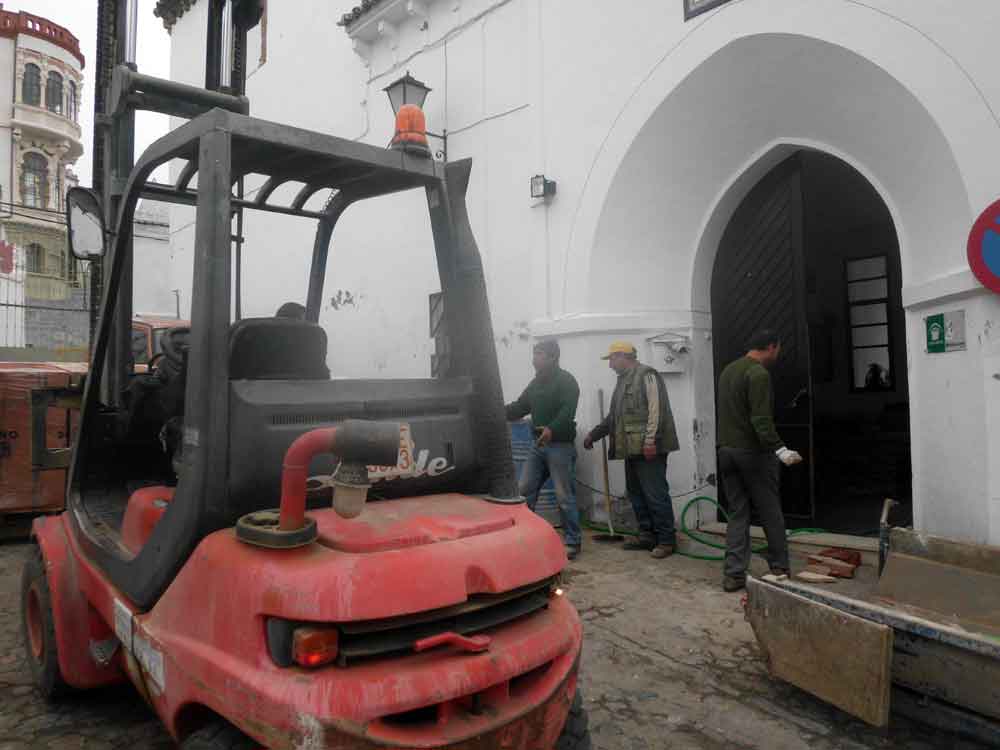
{"points": [[277, 349]]}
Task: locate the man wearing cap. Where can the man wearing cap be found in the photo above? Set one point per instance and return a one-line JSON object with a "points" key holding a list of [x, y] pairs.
{"points": [[551, 399], [640, 427]]}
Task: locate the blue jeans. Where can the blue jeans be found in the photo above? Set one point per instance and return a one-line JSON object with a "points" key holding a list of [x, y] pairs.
{"points": [[556, 460], [649, 494]]}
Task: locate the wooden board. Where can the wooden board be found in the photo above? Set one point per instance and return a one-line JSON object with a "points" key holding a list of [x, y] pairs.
{"points": [[837, 567], [841, 659], [814, 576]]}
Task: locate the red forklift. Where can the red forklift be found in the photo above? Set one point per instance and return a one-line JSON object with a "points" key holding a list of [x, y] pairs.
{"points": [[273, 557]]}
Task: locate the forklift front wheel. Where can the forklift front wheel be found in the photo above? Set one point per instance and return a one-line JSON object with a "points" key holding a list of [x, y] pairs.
{"points": [[39, 628], [576, 733], [219, 735]]}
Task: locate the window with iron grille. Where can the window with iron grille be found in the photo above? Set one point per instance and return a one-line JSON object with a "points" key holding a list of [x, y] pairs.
{"points": [[31, 85], [870, 340], [71, 105], [54, 93], [56, 265], [35, 181], [35, 258]]}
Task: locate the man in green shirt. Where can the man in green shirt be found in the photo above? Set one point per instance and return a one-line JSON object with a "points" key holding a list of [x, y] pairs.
{"points": [[551, 399], [750, 458]]}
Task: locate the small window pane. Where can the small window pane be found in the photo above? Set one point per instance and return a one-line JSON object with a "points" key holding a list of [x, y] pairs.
{"points": [[866, 268], [862, 290], [54, 92], [862, 315], [870, 336], [36, 258], [139, 351], [871, 369], [31, 87]]}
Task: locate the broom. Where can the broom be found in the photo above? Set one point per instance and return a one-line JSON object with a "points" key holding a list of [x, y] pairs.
{"points": [[611, 536]]}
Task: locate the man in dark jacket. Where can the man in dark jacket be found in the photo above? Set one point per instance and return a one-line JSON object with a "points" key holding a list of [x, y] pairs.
{"points": [[640, 427], [551, 399], [750, 454]]}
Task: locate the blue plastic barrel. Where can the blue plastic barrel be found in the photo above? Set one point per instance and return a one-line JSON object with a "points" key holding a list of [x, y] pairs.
{"points": [[521, 440]]}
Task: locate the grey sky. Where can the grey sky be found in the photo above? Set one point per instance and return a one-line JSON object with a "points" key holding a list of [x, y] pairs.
{"points": [[80, 17]]}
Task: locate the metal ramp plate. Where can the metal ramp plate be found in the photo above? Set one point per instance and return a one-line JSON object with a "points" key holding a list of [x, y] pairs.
{"points": [[838, 657]]}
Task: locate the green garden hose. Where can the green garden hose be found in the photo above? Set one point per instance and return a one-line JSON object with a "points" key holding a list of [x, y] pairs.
{"points": [[693, 534]]}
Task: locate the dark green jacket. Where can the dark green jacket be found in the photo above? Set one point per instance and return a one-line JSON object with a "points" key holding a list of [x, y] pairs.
{"points": [[551, 401], [746, 407], [628, 422]]}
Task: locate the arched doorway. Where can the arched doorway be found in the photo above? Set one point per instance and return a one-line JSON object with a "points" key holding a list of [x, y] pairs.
{"points": [[812, 252]]}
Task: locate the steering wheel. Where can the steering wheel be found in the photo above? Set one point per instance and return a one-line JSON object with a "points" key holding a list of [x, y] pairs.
{"points": [[175, 343], [154, 361]]}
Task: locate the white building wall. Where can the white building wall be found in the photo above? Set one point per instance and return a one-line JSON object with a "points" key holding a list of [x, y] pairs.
{"points": [[152, 262], [50, 50], [654, 130], [7, 51]]}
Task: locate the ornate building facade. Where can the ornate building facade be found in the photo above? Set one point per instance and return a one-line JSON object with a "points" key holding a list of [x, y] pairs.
{"points": [[40, 140]]}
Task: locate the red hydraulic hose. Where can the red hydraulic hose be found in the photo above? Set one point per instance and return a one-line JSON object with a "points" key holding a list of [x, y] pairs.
{"points": [[294, 473], [353, 440]]}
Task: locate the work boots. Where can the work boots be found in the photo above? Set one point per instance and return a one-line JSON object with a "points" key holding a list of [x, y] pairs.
{"points": [[730, 584], [641, 542]]}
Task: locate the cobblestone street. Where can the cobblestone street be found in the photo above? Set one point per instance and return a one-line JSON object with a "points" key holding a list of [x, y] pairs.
{"points": [[669, 663]]}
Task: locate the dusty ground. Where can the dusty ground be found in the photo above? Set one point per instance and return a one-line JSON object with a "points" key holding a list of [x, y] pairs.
{"points": [[669, 663]]}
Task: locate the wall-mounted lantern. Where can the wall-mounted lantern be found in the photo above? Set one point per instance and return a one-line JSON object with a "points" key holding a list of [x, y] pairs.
{"points": [[542, 187], [408, 94], [406, 90]]}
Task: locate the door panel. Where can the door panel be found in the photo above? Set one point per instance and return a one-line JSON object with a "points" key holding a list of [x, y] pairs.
{"points": [[759, 282]]}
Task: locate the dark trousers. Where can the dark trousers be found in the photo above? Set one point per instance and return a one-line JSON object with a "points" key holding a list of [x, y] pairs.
{"points": [[649, 493], [556, 460], [752, 477]]}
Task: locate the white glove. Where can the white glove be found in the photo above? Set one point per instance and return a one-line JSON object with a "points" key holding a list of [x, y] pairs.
{"points": [[788, 457]]}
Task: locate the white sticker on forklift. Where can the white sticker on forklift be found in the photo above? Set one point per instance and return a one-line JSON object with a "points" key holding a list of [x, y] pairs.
{"points": [[123, 624], [151, 660], [410, 464], [191, 436]]}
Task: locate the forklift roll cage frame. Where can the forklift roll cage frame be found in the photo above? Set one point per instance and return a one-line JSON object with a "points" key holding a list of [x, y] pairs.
{"points": [[222, 147]]}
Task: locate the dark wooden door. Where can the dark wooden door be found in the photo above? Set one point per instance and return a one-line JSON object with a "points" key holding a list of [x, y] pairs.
{"points": [[759, 282]]}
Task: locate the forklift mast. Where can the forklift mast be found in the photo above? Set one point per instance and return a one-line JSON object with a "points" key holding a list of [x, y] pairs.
{"points": [[119, 92]]}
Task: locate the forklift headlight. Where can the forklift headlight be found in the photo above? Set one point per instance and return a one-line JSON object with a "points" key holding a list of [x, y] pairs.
{"points": [[306, 644], [314, 647]]}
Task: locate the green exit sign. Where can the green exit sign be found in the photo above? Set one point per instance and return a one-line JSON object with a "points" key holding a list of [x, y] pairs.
{"points": [[945, 332], [935, 333]]}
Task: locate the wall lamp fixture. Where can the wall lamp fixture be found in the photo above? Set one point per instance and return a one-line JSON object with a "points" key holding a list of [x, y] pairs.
{"points": [[542, 186]]}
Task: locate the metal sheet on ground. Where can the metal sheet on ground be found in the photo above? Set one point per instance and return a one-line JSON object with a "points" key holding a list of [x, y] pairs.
{"points": [[981, 557], [841, 659], [957, 676], [955, 594]]}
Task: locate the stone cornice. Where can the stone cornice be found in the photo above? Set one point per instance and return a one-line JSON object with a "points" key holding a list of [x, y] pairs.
{"points": [[14, 24], [171, 10]]}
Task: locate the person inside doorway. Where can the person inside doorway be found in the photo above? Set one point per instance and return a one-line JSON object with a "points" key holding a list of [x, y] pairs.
{"points": [[640, 427], [750, 454], [292, 310], [551, 399]]}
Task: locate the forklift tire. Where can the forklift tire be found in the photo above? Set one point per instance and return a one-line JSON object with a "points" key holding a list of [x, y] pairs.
{"points": [[219, 735], [39, 629], [576, 733]]}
